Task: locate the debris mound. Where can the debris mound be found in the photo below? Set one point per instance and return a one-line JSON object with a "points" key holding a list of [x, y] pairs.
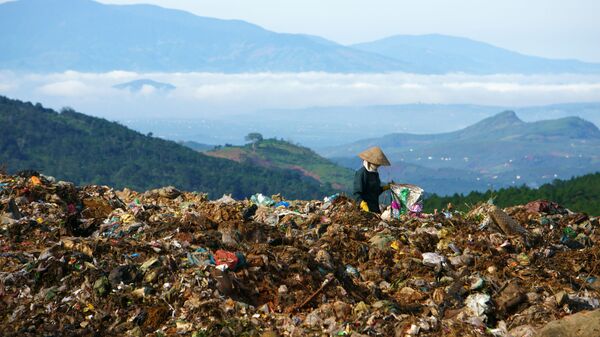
{"points": [[95, 261]]}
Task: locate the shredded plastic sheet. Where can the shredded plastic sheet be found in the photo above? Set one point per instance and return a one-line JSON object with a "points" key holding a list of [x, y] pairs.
{"points": [[406, 198], [261, 200], [478, 304]]}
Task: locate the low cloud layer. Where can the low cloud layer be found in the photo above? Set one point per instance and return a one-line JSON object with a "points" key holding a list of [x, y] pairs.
{"points": [[208, 94], [70, 88]]}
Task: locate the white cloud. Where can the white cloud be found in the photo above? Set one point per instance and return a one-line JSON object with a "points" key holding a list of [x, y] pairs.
{"points": [[211, 94], [309, 89], [5, 87], [147, 90], [70, 88]]}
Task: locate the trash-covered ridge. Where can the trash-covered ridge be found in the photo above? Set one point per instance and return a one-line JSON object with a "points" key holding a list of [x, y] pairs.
{"points": [[79, 261]]}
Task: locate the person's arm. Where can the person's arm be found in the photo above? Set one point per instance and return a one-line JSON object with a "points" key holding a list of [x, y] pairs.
{"points": [[360, 181], [381, 188], [359, 185]]}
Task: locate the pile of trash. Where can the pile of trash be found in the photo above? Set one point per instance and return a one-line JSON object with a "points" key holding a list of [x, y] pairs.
{"points": [[92, 260]]}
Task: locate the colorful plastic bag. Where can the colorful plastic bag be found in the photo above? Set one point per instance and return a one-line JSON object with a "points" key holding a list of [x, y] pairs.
{"points": [[406, 198]]}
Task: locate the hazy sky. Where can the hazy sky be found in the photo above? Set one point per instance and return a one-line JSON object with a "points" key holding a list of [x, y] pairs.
{"points": [[551, 28]]}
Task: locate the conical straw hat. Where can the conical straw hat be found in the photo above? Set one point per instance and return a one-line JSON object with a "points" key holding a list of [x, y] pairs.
{"points": [[375, 156]]}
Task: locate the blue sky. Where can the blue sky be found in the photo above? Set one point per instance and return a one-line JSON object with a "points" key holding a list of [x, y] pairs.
{"points": [[550, 28]]}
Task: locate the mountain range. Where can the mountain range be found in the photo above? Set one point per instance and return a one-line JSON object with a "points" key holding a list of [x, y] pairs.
{"points": [[447, 54], [83, 35], [325, 127], [496, 152]]}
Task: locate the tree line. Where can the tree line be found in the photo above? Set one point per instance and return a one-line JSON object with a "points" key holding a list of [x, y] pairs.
{"points": [[581, 194]]}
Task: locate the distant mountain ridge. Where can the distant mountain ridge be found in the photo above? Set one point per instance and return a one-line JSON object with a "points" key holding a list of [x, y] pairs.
{"points": [[83, 35], [503, 126], [446, 54], [498, 151], [58, 35], [508, 126], [142, 84]]}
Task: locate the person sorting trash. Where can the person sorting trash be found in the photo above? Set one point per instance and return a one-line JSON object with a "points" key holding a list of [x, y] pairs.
{"points": [[367, 185]]}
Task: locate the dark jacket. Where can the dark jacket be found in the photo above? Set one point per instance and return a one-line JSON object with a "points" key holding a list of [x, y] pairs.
{"points": [[367, 187]]}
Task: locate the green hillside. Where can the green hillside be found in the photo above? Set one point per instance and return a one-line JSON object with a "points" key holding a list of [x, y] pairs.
{"points": [[273, 153], [88, 150], [579, 194]]}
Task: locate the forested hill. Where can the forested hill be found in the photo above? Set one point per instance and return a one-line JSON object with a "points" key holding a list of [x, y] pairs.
{"points": [[273, 153], [581, 194], [88, 150]]}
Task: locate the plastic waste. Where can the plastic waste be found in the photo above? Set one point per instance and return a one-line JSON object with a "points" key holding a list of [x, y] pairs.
{"points": [[433, 259], [350, 270], [478, 304], [225, 199], [327, 201], [261, 200], [228, 260], [406, 198]]}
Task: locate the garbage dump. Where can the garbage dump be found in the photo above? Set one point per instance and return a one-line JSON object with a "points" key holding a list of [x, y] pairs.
{"points": [[91, 260]]}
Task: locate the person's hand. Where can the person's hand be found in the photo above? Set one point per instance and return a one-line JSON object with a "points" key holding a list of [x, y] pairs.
{"points": [[364, 206], [388, 185]]}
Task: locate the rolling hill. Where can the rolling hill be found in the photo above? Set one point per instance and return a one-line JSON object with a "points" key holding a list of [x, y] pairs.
{"points": [[88, 150], [273, 153], [498, 151], [83, 35]]}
